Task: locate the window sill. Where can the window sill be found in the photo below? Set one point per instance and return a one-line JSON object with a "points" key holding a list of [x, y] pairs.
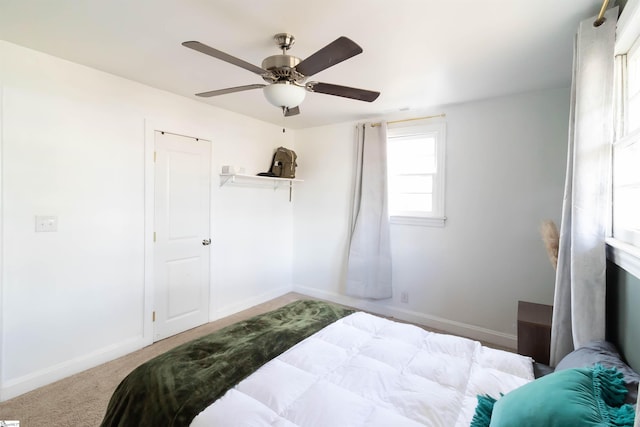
{"points": [[417, 220], [624, 255]]}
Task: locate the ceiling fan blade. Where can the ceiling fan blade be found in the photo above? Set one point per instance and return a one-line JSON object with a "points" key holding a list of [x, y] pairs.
{"points": [[208, 50], [292, 111], [344, 91], [335, 52], [229, 90]]}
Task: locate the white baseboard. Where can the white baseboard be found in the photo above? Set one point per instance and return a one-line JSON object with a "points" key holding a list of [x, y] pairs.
{"points": [[449, 326], [248, 303], [29, 382], [15, 387]]}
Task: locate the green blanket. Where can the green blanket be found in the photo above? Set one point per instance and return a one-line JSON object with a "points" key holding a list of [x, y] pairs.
{"points": [[171, 389]]}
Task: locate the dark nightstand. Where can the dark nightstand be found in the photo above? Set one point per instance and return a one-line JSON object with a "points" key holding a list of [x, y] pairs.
{"points": [[534, 330]]}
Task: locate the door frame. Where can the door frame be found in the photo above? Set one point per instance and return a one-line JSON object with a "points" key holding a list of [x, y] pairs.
{"points": [[176, 128]]}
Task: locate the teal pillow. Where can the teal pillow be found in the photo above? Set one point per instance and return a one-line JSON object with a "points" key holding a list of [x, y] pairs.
{"points": [[573, 397]]}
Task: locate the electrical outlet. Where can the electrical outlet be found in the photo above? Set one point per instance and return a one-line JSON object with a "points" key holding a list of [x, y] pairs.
{"points": [[46, 223], [404, 297]]}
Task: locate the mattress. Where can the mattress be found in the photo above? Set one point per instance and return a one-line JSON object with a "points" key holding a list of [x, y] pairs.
{"points": [[363, 370]]}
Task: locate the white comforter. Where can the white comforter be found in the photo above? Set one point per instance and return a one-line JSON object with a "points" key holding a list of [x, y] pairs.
{"points": [[364, 370]]}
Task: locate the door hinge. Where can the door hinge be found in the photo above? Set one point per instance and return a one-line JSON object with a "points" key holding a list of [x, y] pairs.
{"points": [[154, 236], [154, 156], [153, 317]]}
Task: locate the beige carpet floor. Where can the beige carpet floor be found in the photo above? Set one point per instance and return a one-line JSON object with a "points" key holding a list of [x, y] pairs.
{"points": [[81, 400]]}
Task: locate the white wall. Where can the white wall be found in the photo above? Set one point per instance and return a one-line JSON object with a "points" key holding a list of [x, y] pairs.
{"points": [[73, 145], [505, 174]]}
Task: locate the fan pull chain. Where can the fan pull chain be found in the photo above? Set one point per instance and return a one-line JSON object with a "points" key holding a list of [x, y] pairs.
{"points": [[284, 116]]}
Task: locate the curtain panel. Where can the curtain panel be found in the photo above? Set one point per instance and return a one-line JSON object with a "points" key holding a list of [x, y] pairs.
{"points": [[369, 263], [579, 300]]}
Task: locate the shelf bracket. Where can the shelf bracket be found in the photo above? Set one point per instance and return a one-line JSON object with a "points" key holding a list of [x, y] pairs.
{"points": [[226, 178], [277, 182]]}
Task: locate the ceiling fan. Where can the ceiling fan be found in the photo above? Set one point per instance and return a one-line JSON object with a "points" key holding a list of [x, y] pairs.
{"points": [[286, 75]]}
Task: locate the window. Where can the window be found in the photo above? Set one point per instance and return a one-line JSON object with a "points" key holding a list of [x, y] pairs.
{"points": [[632, 119], [626, 149], [415, 165]]}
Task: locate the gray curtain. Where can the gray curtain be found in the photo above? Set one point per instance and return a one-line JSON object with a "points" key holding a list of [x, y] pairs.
{"points": [[579, 301], [369, 264]]}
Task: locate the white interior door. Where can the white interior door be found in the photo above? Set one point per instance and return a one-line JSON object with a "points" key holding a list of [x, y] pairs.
{"points": [[181, 249]]}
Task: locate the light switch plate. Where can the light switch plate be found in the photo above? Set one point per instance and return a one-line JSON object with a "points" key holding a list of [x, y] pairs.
{"points": [[46, 223]]}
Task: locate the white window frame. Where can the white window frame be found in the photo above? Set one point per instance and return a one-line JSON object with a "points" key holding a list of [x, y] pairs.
{"points": [[435, 218], [625, 250]]}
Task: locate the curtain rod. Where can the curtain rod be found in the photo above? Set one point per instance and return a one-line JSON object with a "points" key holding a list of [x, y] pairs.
{"points": [[410, 120], [600, 19]]}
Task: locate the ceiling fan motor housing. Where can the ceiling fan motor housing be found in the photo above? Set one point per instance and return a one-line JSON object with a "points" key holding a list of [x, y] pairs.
{"points": [[281, 67]]}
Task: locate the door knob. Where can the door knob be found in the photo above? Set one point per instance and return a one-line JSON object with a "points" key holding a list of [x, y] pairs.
{"points": [[206, 242]]}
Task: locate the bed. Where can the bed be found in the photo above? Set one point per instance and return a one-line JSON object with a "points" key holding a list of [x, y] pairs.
{"points": [[313, 363]]}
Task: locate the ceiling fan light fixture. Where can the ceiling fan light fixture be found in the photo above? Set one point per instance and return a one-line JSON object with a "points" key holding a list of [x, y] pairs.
{"points": [[285, 75], [284, 94]]}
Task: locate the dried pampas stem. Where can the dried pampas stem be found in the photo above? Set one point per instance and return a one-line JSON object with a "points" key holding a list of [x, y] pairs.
{"points": [[551, 240]]}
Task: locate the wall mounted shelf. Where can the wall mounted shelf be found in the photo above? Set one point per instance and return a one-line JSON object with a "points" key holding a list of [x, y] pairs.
{"points": [[257, 181]]}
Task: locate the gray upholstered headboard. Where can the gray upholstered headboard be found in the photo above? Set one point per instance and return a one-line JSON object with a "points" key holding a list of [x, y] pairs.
{"points": [[623, 313]]}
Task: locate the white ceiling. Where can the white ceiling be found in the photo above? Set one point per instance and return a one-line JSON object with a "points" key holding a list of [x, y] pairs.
{"points": [[418, 53]]}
